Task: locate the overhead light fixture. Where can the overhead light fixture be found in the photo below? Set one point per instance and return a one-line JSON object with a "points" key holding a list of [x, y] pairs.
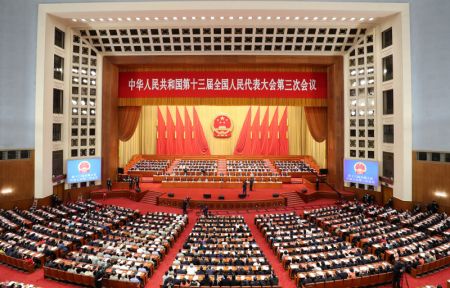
{"points": [[278, 18], [128, 19], [371, 19], [111, 19], [119, 19], [83, 20], [7, 190], [315, 18], [147, 18], [194, 18], [249, 17], [362, 19], [343, 18], [212, 17], [184, 18], [297, 18], [287, 18], [203, 18], [268, 17], [324, 18], [156, 18], [166, 18], [231, 17], [92, 20], [259, 17], [352, 19], [74, 20], [222, 18], [241, 17], [334, 18], [306, 18], [138, 19]]}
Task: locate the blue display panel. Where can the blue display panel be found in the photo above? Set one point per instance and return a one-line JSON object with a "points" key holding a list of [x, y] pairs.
{"points": [[361, 171], [84, 170]]}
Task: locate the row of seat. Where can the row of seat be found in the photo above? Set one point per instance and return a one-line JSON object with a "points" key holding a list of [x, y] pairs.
{"points": [[365, 281], [17, 263], [429, 267]]}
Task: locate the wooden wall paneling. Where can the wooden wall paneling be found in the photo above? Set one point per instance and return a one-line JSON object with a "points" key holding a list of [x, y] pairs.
{"points": [[428, 178], [110, 127], [19, 176]]}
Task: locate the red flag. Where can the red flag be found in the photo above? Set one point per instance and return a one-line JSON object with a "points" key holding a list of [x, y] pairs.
{"points": [[179, 136], [256, 143], [283, 141], [264, 134], [244, 137], [273, 138], [171, 149], [161, 140], [199, 137], [188, 141]]}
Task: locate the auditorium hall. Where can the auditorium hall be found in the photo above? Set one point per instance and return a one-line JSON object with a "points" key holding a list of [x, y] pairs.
{"points": [[166, 144]]}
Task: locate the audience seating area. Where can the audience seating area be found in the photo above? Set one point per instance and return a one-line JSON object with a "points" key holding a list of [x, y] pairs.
{"points": [[316, 257], [289, 167], [195, 167], [155, 166], [220, 251], [248, 167], [15, 284]]}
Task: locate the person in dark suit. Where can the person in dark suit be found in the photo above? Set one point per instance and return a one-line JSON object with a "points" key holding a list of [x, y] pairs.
{"points": [[397, 274], [252, 181], [244, 188], [109, 184], [317, 183]]}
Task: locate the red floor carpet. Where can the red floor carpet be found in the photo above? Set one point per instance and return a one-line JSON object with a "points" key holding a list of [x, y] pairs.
{"points": [[37, 278]]}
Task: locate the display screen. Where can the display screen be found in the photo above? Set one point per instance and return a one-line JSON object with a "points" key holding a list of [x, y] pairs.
{"points": [[361, 171], [84, 170]]}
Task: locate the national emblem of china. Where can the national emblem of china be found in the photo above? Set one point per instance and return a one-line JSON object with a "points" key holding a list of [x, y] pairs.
{"points": [[222, 126]]}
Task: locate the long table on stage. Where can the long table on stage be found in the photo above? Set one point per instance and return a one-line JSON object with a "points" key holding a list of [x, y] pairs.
{"points": [[234, 185], [221, 179]]}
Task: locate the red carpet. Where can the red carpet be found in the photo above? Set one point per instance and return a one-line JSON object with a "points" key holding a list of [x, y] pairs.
{"points": [[37, 278]]}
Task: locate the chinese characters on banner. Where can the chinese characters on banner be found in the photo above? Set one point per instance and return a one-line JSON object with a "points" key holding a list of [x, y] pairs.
{"points": [[151, 84]]}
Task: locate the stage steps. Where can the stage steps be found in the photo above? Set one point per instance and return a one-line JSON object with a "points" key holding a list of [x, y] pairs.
{"points": [[270, 165], [151, 197], [293, 199], [173, 165], [222, 167]]}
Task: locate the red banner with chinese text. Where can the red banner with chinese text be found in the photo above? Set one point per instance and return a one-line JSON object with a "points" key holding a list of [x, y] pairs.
{"points": [[227, 84]]}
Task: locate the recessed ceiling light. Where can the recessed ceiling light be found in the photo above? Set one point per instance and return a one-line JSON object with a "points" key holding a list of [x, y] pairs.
{"points": [[306, 18], [194, 18], [352, 19], [101, 19], [83, 20], [212, 17], [156, 18], [111, 19], [231, 17], [7, 190], [371, 19], [362, 19], [249, 17], [324, 18], [334, 18], [241, 17], [278, 18], [287, 18], [174, 18], [74, 20], [221, 17], [203, 18], [268, 17], [343, 18], [315, 18], [259, 17], [128, 19], [296, 18], [165, 18], [119, 19], [138, 19], [92, 20], [184, 18]]}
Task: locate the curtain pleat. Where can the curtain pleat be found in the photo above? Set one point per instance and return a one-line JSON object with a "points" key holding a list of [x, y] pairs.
{"points": [[128, 120], [316, 117]]}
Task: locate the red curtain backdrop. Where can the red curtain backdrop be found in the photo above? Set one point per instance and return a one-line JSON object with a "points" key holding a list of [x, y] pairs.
{"points": [[316, 117], [170, 133], [273, 136], [188, 141], [264, 148], [262, 139], [244, 136], [283, 141], [128, 120], [199, 137], [179, 135], [255, 134], [161, 137]]}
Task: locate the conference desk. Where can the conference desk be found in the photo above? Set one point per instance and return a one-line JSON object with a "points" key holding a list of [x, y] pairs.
{"points": [[220, 179], [233, 185]]}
